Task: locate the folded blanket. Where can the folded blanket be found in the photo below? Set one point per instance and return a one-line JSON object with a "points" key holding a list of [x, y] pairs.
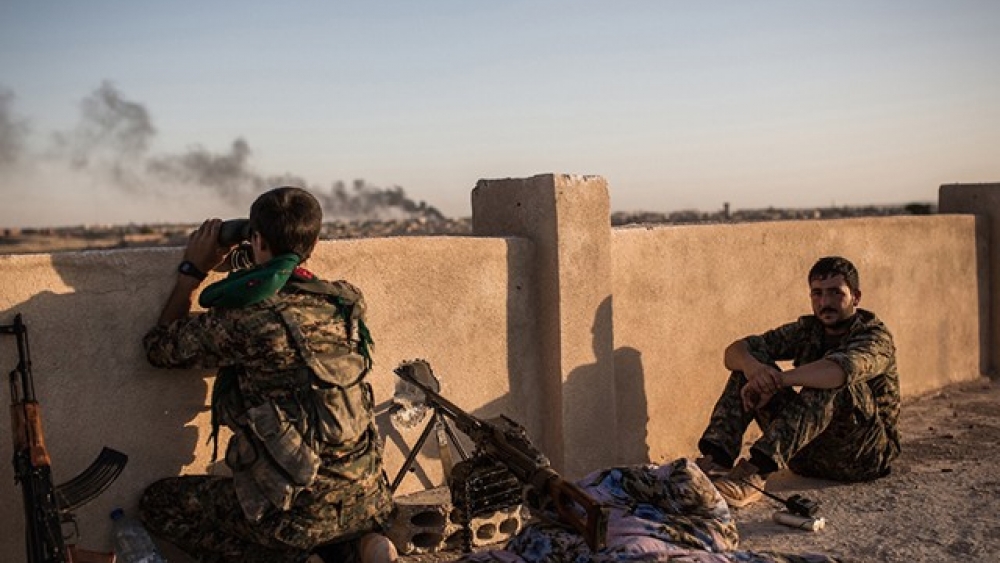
{"points": [[668, 512]]}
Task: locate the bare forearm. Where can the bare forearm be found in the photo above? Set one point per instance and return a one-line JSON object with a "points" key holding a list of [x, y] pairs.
{"points": [[203, 252], [821, 374], [737, 357], [178, 304]]}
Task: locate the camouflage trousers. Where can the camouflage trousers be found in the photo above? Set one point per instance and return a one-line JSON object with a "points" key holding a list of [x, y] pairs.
{"points": [[825, 433], [201, 515]]}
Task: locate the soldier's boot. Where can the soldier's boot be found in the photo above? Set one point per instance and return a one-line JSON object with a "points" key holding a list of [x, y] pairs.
{"points": [[710, 467], [742, 486]]}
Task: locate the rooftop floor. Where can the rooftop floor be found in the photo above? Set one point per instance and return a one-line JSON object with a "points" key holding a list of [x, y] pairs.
{"points": [[941, 502]]}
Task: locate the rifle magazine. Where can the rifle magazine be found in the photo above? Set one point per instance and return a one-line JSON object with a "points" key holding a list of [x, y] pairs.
{"points": [[86, 486]]}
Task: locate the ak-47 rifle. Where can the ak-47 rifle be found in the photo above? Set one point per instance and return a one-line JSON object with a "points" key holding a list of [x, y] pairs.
{"points": [[506, 442], [46, 506]]}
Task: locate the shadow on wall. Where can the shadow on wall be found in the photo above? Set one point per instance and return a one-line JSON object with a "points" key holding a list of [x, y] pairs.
{"points": [[632, 409], [987, 360], [582, 393], [524, 403], [583, 385], [391, 435], [94, 383], [437, 437]]}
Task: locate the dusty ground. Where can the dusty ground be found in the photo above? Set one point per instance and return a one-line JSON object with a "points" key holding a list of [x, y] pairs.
{"points": [[941, 503]]}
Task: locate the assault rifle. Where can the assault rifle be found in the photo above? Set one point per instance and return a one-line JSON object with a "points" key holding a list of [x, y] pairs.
{"points": [[505, 442], [47, 507]]}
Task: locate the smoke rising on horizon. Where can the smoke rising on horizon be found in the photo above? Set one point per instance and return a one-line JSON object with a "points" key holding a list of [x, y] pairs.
{"points": [[111, 144], [13, 131]]}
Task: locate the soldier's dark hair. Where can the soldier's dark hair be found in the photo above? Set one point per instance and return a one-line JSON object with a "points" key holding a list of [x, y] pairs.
{"points": [[835, 265], [289, 219]]}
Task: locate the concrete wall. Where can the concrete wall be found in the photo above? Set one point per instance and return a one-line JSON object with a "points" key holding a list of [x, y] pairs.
{"points": [[605, 343], [682, 294], [461, 303], [567, 219], [983, 200]]}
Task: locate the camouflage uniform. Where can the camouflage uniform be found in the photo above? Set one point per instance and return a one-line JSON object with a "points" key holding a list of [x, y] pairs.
{"points": [[273, 350], [848, 434]]}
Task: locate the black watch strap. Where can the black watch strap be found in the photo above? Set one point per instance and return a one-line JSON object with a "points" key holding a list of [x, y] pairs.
{"points": [[189, 269]]}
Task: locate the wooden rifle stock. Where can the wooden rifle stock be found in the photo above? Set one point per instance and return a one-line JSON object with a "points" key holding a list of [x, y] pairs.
{"points": [[27, 426], [80, 555], [566, 496]]}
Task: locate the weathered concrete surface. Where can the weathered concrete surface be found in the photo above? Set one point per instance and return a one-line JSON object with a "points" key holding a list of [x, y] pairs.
{"points": [[566, 217], [606, 344], [984, 201], [425, 522], [682, 294], [454, 301], [934, 507]]}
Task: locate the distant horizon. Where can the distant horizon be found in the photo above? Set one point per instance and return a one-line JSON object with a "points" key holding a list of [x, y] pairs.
{"points": [[214, 209], [468, 216], [111, 111]]}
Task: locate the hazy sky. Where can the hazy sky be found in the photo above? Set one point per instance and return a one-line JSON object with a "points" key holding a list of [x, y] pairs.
{"points": [[113, 111]]}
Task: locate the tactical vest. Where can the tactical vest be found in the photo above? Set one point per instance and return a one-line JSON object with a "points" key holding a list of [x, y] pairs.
{"points": [[274, 452]]}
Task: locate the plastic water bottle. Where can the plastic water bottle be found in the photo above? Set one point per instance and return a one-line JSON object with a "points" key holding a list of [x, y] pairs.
{"points": [[131, 540]]}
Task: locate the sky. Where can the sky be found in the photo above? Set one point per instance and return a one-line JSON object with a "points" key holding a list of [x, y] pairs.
{"points": [[121, 111]]}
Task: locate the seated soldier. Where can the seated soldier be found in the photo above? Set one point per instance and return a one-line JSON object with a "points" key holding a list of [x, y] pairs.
{"points": [[841, 425]]}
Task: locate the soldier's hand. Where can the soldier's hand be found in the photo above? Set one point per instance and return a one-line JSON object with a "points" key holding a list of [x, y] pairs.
{"points": [[755, 396], [750, 396], [767, 377], [203, 248]]}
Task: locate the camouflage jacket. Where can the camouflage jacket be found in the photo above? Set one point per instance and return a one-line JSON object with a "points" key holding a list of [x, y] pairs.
{"points": [[866, 353], [272, 348]]}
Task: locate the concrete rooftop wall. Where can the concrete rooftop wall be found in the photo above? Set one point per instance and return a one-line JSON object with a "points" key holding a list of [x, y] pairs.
{"points": [[461, 303], [683, 293], [605, 343]]}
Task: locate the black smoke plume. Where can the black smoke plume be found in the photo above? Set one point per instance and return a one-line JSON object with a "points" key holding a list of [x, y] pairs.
{"points": [[113, 141], [110, 122], [370, 201], [13, 131], [228, 174]]}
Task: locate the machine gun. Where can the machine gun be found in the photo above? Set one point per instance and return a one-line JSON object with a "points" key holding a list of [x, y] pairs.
{"points": [[505, 443], [48, 507]]}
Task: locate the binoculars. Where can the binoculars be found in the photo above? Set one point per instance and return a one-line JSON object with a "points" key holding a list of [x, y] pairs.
{"points": [[234, 231]]}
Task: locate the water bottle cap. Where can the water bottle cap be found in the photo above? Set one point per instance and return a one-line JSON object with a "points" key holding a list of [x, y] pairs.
{"points": [[117, 513]]}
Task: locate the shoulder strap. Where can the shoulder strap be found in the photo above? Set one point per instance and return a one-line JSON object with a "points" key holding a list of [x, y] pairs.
{"points": [[350, 304], [319, 368]]}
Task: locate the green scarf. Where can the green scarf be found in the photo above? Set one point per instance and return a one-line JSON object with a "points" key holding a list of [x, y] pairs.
{"points": [[253, 285]]}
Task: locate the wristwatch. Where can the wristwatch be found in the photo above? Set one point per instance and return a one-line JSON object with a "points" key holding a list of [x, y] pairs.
{"points": [[189, 269]]}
